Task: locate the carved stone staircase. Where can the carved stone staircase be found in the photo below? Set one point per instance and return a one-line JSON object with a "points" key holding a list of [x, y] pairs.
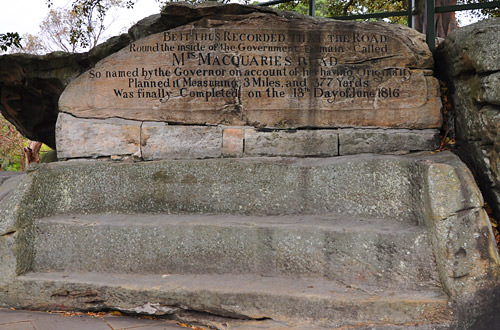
{"points": [[257, 243]]}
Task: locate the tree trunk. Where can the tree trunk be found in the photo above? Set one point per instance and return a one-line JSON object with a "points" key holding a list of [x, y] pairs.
{"points": [[445, 23]]}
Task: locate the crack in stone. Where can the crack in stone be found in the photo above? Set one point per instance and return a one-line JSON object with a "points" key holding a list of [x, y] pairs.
{"points": [[9, 233]]}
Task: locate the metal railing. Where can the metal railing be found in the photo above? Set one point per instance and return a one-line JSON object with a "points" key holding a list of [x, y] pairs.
{"points": [[430, 11]]}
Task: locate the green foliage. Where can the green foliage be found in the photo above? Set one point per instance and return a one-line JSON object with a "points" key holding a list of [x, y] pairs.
{"points": [[11, 146], [9, 39], [330, 8], [89, 20]]}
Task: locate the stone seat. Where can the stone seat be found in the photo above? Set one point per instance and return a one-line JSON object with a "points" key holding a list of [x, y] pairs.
{"points": [[371, 252], [357, 242], [294, 302]]}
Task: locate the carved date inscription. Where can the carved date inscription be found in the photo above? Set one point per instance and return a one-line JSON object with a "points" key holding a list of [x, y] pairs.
{"points": [[182, 73]]}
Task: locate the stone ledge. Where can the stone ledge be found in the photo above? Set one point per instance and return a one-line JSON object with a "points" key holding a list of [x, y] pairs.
{"points": [[157, 140], [291, 142], [162, 141], [356, 141], [78, 137]]}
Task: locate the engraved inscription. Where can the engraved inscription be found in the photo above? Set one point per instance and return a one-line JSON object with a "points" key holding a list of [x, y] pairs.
{"points": [[330, 76], [204, 65]]}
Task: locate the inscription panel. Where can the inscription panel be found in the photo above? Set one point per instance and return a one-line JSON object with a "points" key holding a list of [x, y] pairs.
{"points": [[262, 77]]}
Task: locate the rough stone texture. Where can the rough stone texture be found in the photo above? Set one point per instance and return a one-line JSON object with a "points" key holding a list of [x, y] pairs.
{"points": [[94, 137], [468, 61], [160, 141], [79, 138], [358, 141], [291, 143], [470, 49], [460, 229], [266, 186], [313, 246], [325, 303], [30, 86], [369, 196], [8, 182], [11, 194], [489, 91], [233, 142], [314, 71]]}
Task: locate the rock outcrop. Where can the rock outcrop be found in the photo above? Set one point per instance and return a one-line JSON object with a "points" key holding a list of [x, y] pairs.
{"points": [[404, 96], [296, 88], [468, 60], [30, 85], [354, 242]]}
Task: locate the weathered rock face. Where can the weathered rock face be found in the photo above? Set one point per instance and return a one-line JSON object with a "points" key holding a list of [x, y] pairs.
{"points": [[30, 85], [468, 60], [366, 94], [332, 242], [296, 72], [223, 70]]}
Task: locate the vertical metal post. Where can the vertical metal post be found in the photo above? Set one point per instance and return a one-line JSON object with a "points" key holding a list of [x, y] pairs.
{"points": [[312, 7], [410, 13], [431, 24]]}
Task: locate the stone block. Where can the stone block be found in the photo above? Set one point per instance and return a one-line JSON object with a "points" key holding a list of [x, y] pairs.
{"points": [[162, 141], [466, 251], [291, 245], [232, 142], [472, 48], [490, 89], [468, 62], [356, 141], [283, 78], [78, 137], [291, 142]]}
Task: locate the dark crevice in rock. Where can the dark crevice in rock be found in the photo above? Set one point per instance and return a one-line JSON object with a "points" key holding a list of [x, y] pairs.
{"points": [[372, 59], [486, 73], [462, 212], [9, 233], [141, 140], [469, 156], [211, 320], [220, 315]]}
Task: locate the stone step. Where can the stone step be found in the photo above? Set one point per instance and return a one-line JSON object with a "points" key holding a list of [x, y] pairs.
{"points": [[317, 301], [366, 186], [372, 251]]}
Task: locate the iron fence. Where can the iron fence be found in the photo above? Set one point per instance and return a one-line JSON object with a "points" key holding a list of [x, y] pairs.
{"points": [[430, 11]]}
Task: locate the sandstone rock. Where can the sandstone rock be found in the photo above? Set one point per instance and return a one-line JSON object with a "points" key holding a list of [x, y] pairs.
{"points": [[469, 49], [468, 61], [160, 141], [356, 141], [291, 143], [490, 89], [78, 137], [233, 142], [329, 235], [460, 229], [29, 95], [30, 86], [298, 72], [116, 138]]}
